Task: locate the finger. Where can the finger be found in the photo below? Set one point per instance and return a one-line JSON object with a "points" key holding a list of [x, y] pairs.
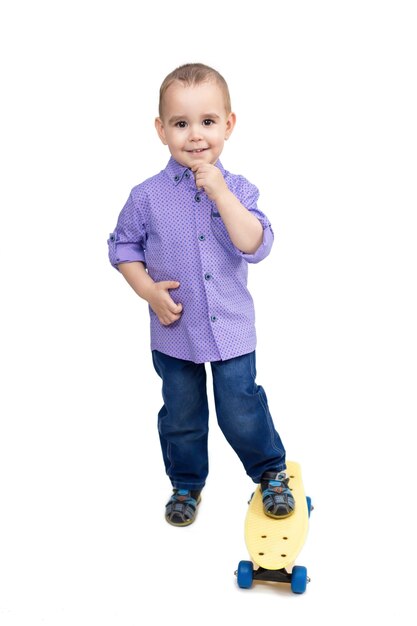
{"points": [[173, 309], [169, 284], [201, 167], [199, 182], [167, 320]]}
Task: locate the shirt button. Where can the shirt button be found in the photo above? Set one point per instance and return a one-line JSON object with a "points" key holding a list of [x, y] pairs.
{"points": [[176, 178], [208, 276], [202, 237], [197, 197], [187, 174], [213, 318]]}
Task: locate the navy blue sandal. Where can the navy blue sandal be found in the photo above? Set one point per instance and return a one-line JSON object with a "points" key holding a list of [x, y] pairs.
{"points": [[181, 509], [277, 498]]}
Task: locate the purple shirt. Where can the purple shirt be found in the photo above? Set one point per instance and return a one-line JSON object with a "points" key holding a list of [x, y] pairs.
{"points": [[175, 229]]}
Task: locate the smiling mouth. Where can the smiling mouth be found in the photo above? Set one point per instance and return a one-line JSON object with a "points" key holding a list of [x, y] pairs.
{"points": [[197, 151]]}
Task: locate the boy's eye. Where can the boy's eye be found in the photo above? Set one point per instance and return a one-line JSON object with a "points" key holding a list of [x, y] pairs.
{"points": [[208, 122], [181, 124]]}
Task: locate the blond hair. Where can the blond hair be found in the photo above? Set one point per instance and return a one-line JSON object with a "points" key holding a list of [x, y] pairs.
{"points": [[194, 74]]}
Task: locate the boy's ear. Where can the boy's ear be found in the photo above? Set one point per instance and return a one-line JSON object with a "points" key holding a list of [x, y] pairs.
{"points": [[160, 130], [230, 124]]}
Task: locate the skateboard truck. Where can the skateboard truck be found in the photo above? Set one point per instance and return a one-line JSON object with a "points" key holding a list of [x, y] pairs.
{"points": [[298, 578], [270, 575]]}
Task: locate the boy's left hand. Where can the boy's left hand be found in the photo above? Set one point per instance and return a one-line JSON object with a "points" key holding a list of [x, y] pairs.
{"points": [[210, 178]]}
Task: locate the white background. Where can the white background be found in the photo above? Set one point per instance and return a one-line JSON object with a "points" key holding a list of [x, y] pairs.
{"points": [[325, 97]]}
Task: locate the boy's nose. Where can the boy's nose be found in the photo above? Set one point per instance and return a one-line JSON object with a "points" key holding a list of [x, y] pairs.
{"points": [[195, 133]]}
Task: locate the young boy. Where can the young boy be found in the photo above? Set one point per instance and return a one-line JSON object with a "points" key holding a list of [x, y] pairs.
{"points": [[183, 241]]}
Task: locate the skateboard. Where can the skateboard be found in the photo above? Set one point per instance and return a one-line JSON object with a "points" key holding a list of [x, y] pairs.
{"points": [[274, 544]]}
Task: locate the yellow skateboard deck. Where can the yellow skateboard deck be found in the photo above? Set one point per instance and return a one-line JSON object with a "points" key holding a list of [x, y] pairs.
{"points": [[274, 544]]}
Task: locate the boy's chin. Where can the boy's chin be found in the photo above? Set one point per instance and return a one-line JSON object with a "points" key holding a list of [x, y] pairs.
{"points": [[200, 159], [194, 160]]}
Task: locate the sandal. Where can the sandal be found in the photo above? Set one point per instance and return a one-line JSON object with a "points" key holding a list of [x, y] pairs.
{"points": [[277, 498], [181, 509]]}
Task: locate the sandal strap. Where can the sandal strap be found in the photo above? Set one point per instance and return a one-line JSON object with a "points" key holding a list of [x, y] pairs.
{"points": [[182, 504], [276, 494]]}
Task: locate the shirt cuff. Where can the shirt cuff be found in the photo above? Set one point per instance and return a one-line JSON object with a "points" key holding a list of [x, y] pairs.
{"points": [[264, 248], [124, 252]]}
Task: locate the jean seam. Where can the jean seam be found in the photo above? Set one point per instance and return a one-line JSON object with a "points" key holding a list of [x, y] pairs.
{"points": [[271, 426], [258, 389], [169, 457]]}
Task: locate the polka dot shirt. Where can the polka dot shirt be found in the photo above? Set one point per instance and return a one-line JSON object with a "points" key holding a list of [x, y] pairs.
{"points": [[175, 229]]}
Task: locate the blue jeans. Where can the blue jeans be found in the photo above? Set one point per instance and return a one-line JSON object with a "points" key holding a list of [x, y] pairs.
{"points": [[242, 414]]}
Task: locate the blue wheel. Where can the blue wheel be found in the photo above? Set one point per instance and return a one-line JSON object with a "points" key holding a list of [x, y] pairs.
{"points": [[298, 579], [245, 574], [309, 505]]}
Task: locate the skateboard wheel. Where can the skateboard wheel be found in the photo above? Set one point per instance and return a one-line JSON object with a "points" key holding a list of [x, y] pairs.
{"points": [[309, 506], [298, 579], [245, 574]]}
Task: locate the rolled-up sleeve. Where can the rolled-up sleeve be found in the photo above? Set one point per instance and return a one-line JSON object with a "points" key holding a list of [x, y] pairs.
{"points": [[264, 248], [248, 195], [127, 242]]}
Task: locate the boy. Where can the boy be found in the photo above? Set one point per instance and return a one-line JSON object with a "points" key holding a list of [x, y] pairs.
{"points": [[182, 242]]}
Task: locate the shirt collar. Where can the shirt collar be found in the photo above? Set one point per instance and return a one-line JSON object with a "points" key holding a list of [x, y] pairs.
{"points": [[177, 172]]}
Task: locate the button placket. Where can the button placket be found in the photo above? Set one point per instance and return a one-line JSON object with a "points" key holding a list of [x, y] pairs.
{"points": [[203, 219]]}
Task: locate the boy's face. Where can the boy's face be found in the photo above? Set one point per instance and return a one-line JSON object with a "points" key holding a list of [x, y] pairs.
{"points": [[194, 123]]}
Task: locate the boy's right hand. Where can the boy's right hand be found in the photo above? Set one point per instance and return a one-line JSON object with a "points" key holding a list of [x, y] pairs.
{"points": [[162, 304]]}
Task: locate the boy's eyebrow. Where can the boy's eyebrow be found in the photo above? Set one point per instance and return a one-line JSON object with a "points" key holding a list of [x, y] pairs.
{"points": [[177, 118]]}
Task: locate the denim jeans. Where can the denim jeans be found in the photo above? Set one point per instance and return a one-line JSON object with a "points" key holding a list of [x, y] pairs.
{"points": [[242, 414]]}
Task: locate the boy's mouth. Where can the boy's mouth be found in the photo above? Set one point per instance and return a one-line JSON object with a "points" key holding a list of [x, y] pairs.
{"points": [[197, 150]]}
